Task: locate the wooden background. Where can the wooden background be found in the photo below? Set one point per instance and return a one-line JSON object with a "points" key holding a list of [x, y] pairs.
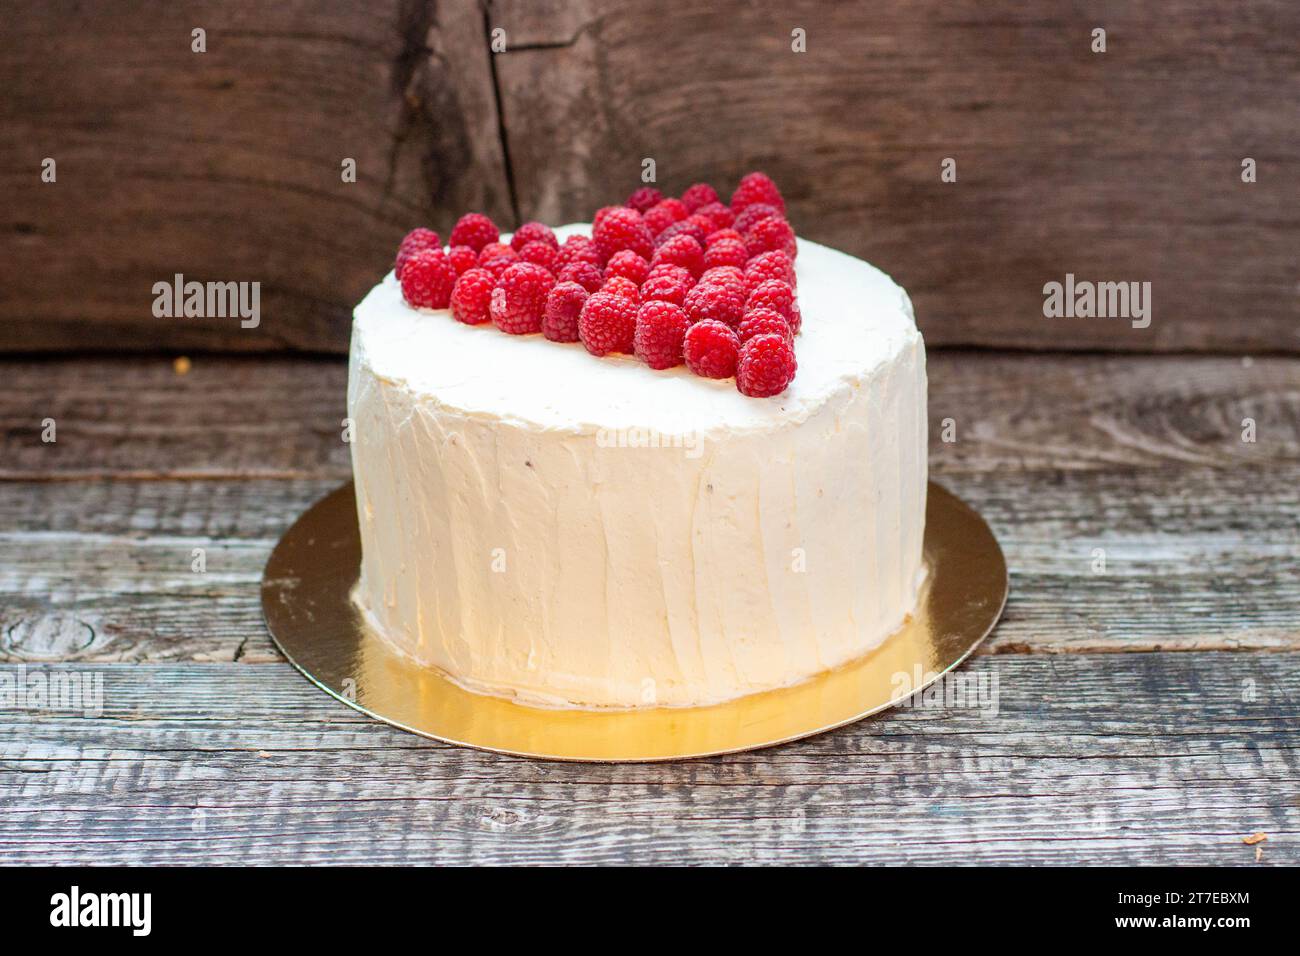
{"points": [[226, 165]]}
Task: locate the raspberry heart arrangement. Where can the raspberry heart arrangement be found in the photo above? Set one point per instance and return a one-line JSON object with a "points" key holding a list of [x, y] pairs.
{"points": [[672, 281]]}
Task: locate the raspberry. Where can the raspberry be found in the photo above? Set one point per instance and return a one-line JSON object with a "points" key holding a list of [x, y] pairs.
{"points": [[776, 295], [664, 214], [728, 276], [717, 302], [427, 279], [539, 253], [763, 322], [583, 273], [643, 198], [771, 234], [769, 265], [753, 215], [766, 366], [756, 188], [667, 287], [533, 232], [563, 306], [607, 324], [710, 349], [723, 234], [462, 259], [601, 213], [687, 227], [474, 230], [671, 269], [495, 257], [577, 249], [660, 329], [472, 295], [726, 252], [622, 228], [622, 285], [682, 251], [627, 263], [417, 240], [721, 216], [520, 298], [697, 195]]}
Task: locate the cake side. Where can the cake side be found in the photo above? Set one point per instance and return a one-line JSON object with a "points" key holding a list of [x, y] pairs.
{"points": [[578, 531]]}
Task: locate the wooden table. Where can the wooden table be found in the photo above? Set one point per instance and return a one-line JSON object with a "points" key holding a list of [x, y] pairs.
{"points": [[1147, 714]]}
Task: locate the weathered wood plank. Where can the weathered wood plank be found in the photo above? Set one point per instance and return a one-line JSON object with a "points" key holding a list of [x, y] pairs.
{"points": [[1130, 759], [226, 165], [1123, 165], [1194, 559], [283, 418]]}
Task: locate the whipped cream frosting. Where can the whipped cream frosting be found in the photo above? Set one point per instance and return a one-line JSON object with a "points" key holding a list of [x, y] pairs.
{"points": [[580, 531]]}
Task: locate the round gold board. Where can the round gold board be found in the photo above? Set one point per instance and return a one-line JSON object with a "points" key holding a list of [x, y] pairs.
{"points": [[305, 589]]}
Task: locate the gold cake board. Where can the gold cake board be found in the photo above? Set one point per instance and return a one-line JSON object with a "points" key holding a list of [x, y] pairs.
{"points": [[309, 575]]}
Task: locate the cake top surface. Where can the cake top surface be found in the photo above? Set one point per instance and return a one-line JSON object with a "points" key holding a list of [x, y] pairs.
{"points": [[855, 320]]}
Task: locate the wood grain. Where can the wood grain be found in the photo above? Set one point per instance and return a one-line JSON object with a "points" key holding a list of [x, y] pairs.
{"points": [[1122, 166], [226, 165], [1133, 759]]}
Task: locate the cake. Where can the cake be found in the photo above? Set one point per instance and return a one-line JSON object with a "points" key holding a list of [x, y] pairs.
{"points": [[569, 530]]}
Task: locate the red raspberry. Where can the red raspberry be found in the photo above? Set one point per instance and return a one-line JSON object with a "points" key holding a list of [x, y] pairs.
{"points": [[667, 287], [474, 230], [495, 257], [627, 263], [766, 366], [533, 232], [722, 234], [763, 322], [563, 306], [608, 324], [622, 285], [583, 273], [726, 252], [417, 240], [710, 349], [520, 298], [664, 214], [601, 213], [775, 294], [578, 249], [660, 329], [699, 194], [643, 198], [751, 216], [682, 251], [728, 276], [622, 228], [539, 253], [687, 227], [721, 216], [769, 265], [755, 188], [462, 259], [771, 234], [472, 295], [427, 279], [718, 302]]}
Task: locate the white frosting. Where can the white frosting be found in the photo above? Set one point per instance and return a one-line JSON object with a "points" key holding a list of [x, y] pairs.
{"points": [[518, 534]]}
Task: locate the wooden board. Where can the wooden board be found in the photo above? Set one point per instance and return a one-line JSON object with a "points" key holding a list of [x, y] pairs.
{"points": [[1145, 715], [1137, 759], [1122, 166]]}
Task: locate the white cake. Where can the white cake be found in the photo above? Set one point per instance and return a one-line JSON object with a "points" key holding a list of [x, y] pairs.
{"points": [[578, 531]]}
